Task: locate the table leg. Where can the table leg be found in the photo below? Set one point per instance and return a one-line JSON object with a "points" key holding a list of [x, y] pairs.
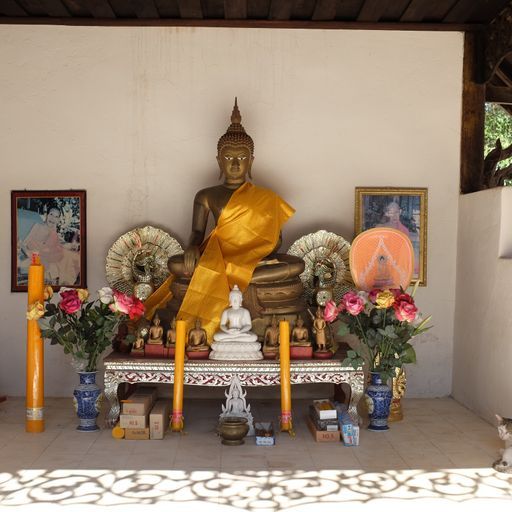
{"points": [[356, 384], [111, 384]]}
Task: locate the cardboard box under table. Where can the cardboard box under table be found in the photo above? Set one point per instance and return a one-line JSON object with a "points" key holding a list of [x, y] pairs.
{"points": [[133, 421], [159, 419], [138, 434], [140, 402], [323, 436]]}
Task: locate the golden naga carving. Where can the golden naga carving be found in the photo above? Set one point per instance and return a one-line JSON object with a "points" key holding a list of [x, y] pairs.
{"points": [[399, 387]]}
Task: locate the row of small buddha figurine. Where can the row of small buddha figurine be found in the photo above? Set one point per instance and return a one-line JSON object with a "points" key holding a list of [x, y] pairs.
{"points": [[197, 338]]}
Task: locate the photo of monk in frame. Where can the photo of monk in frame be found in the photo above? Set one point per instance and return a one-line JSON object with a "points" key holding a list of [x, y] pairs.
{"points": [[51, 224]]}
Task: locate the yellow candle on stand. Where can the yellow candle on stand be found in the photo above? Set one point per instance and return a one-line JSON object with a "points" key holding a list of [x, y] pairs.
{"points": [[286, 392], [34, 420], [179, 372]]}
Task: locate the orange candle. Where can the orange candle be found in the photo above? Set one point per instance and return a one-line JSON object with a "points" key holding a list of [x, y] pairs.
{"points": [[286, 392], [179, 372], [34, 420]]}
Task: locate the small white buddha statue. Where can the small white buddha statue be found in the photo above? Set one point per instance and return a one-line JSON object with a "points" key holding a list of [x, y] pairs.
{"points": [[235, 322], [235, 340]]}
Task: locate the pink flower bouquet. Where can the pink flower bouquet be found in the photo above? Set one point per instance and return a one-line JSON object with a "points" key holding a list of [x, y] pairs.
{"points": [[385, 321], [83, 327]]}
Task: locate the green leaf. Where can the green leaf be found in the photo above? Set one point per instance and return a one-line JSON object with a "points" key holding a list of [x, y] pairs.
{"points": [[343, 329], [408, 354], [351, 354]]}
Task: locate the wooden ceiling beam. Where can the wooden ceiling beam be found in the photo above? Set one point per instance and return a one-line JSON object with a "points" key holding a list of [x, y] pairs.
{"points": [[212, 9], [473, 119], [55, 8], [325, 10], [145, 9], [76, 8], [373, 10], [99, 8], [253, 23], [347, 10], [33, 7], [415, 11], [501, 95], [498, 43], [280, 10], [122, 8], [460, 12], [235, 9], [395, 10], [11, 8], [507, 80], [438, 10], [488, 10], [190, 9], [258, 9], [168, 8]]}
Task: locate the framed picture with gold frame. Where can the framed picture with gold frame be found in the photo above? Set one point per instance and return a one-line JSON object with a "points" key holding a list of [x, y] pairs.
{"points": [[404, 209]]}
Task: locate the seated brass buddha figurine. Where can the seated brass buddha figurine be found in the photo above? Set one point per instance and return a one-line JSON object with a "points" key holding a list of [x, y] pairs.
{"points": [[242, 247]]}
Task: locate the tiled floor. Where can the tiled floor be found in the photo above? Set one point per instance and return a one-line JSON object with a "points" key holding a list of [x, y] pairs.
{"points": [[440, 455]]}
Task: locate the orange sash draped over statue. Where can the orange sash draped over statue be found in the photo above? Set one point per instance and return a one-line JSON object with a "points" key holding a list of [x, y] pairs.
{"points": [[247, 231]]}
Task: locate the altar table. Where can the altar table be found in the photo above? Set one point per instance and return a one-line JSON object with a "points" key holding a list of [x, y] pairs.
{"points": [[120, 368]]}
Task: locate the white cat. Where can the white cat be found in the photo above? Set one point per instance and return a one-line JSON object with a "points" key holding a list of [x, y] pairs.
{"points": [[504, 464]]}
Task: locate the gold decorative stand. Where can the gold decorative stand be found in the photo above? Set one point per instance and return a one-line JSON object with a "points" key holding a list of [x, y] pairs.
{"points": [[399, 386]]}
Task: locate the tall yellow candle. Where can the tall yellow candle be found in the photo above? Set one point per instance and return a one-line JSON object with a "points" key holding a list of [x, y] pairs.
{"points": [[286, 395], [34, 419], [179, 372]]}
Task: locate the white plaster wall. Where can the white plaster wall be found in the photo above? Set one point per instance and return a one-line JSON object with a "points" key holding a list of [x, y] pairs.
{"points": [[482, 376], [133, 115]]}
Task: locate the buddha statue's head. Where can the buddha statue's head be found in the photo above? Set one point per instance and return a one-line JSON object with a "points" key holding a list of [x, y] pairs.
{"points": [[235, 297], [235, 151]]}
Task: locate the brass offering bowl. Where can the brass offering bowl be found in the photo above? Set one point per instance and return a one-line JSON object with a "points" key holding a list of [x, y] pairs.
{"points": [[233, 430]]}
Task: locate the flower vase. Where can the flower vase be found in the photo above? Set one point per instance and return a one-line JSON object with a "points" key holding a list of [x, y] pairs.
{"points": [[87, 400], [378, 399]]}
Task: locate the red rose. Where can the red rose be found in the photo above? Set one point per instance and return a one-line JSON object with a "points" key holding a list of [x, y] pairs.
{"points": [[330, 311], [404, 296], [136, 309], [405, 309], [396, 292], [127, 305], [352, 303], [372, 296], [70, 301], [121, 303]]}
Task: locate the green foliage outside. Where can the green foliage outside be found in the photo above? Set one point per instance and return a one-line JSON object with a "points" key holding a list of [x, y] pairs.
{"points": [[498, 125]]}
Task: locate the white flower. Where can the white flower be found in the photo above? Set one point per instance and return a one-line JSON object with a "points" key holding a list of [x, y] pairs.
{"points": [[106, 295]]}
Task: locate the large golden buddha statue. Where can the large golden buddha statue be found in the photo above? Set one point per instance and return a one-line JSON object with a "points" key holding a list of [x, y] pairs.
{"points": [[242, 249]]}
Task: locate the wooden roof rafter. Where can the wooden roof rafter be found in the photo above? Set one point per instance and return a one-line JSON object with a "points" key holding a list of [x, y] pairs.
{"points": [[460, 15]]}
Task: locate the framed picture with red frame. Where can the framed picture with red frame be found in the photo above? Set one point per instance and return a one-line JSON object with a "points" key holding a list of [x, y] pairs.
{"points": [[51, 223]]}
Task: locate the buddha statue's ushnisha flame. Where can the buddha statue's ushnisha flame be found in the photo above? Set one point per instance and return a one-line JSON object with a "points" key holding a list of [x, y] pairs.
{"points": [[235, 134]]}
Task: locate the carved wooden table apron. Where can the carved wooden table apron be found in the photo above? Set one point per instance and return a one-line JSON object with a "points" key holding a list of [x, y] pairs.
{"points": [[122, 369]]}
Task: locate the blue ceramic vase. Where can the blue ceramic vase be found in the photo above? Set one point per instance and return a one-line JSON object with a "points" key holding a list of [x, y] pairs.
{"points": [[378, 400], [87, 400]]}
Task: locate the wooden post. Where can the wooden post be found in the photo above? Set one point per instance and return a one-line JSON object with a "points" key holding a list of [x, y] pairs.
{"points": [[34, 421], [473, 117]]}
